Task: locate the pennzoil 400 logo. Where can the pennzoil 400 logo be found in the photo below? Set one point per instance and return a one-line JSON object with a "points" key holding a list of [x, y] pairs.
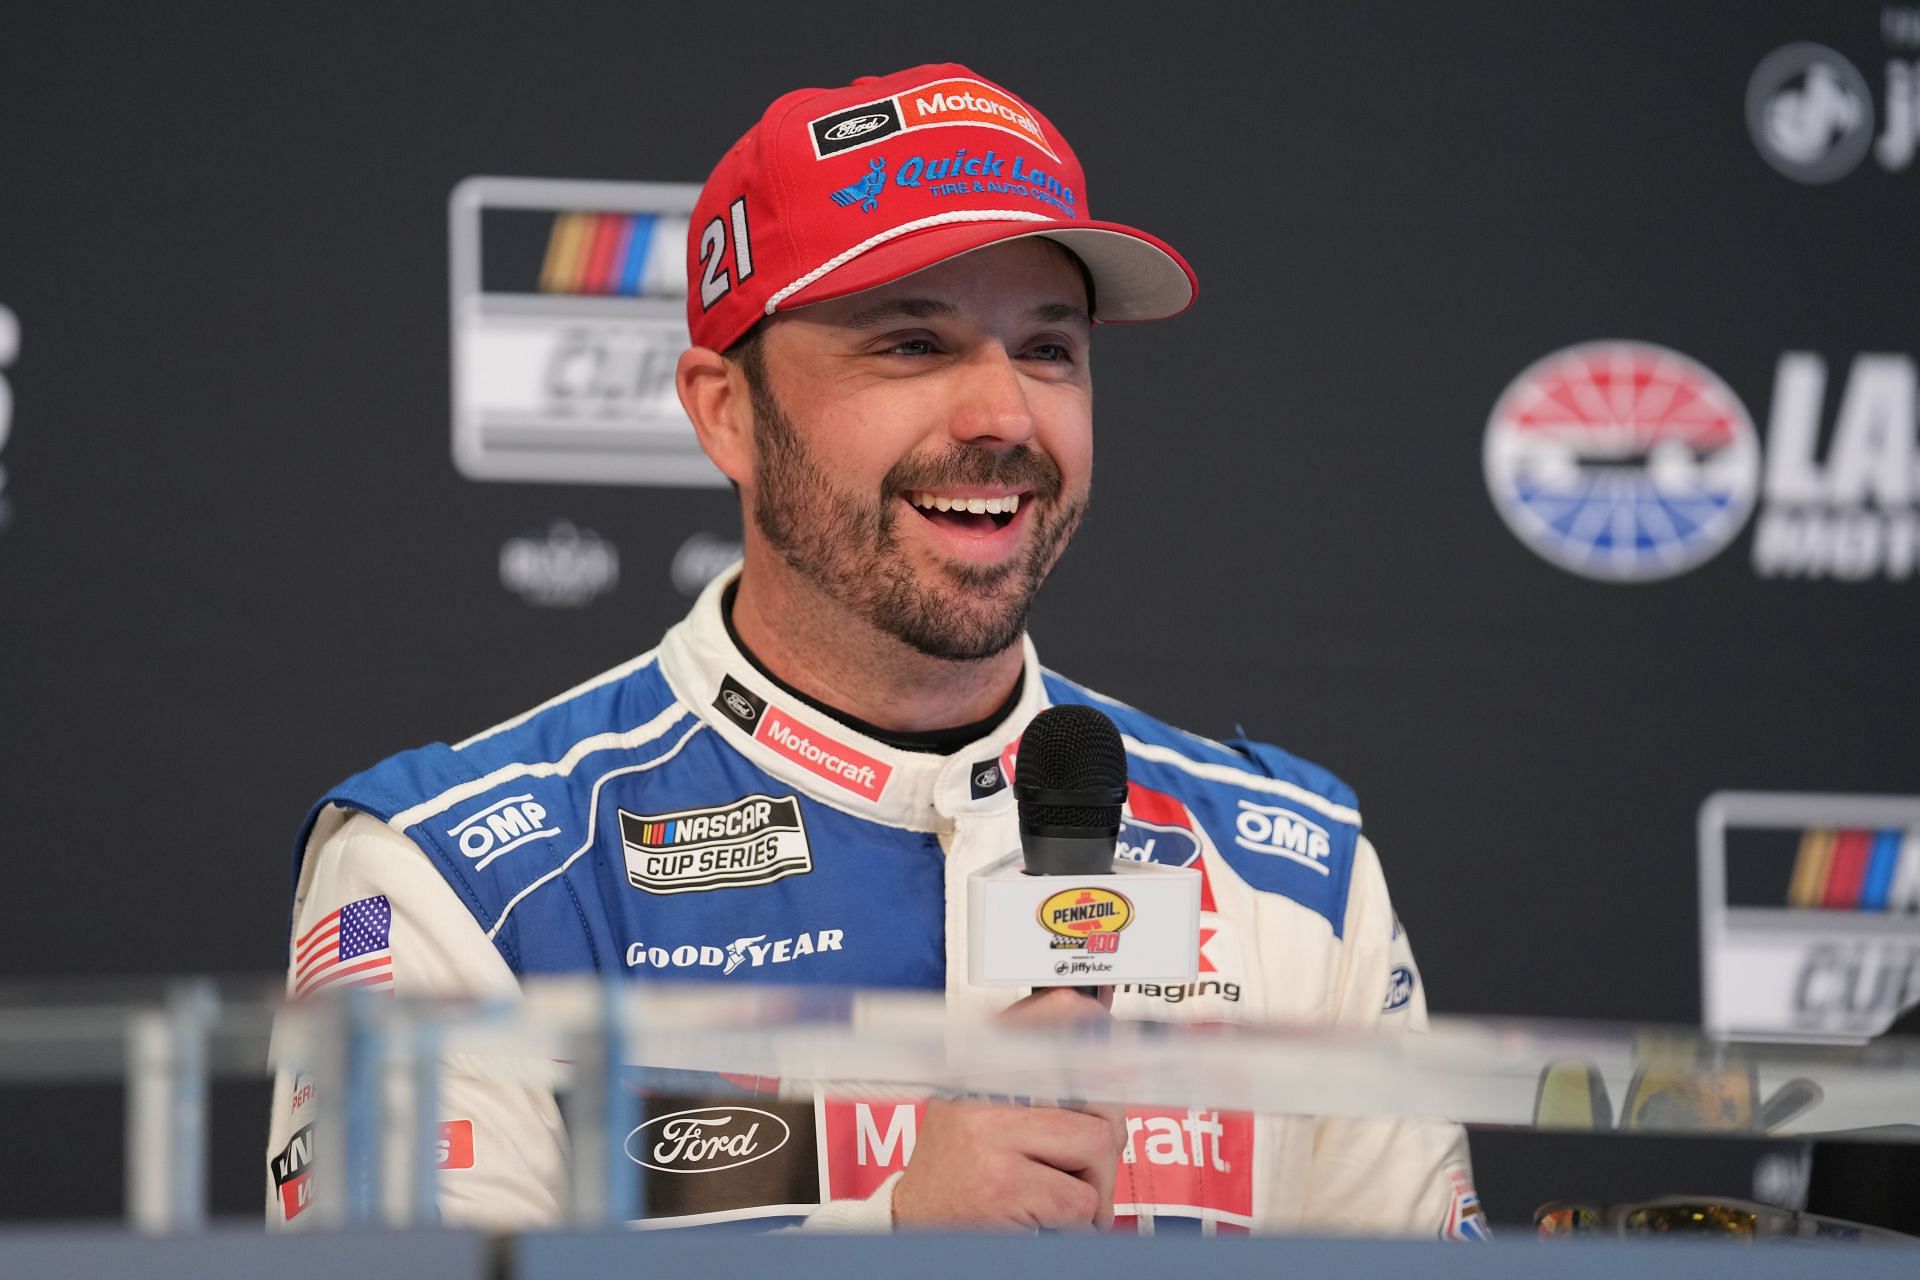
{"points": [[1086, 919]]}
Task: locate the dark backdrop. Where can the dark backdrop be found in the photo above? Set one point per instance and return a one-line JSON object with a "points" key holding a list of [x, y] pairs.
{"points": [[237, 562]]}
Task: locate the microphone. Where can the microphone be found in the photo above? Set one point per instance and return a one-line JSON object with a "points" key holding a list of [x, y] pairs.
{"points": [[1070, 779], [1060, 911]]}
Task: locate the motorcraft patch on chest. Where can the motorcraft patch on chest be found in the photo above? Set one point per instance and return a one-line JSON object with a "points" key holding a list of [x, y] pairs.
{"points": [[755, 840]]}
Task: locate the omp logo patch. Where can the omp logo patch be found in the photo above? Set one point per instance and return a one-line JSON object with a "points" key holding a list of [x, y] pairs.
{"points": [[502, 827], [755, 840], [1271, 829]]}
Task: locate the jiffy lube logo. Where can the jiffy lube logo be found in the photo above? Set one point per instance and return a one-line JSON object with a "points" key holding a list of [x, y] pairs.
{"points": [[1810, 108]]}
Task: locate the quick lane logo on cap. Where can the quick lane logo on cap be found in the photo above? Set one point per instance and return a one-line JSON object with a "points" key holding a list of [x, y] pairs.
{"points": [[755, 840], [932, 105], [812, 750]]}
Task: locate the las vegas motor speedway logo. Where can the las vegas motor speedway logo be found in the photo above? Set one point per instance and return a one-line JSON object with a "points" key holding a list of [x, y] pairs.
{"points": [[1629, 462]]}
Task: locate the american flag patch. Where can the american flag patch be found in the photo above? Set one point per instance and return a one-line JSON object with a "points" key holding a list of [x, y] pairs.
{"points": [[349, 948]]}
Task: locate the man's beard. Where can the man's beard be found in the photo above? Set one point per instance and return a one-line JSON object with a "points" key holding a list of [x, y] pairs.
{"points": [[850, 547]]}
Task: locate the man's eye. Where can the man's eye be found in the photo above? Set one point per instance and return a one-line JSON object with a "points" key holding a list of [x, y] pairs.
{"points": [[911, 347], [1052, 351]]}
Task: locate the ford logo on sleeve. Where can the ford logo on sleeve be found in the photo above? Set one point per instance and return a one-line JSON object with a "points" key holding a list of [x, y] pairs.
{"points": [[1156, 842], [1399, 989]]}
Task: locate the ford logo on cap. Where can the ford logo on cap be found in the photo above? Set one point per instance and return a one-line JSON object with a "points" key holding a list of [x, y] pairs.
{"points": [[855, 127]]}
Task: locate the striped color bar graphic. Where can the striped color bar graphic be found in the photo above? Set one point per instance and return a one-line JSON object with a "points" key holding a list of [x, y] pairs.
{"points": [[624, 254], [1854, 869]]}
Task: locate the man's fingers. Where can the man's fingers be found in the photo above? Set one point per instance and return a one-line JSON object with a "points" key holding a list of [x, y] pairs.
{"points": [[1061, 1201], [981, 1163], [1055, 1005], [1116, 1118], [1071, 1141]]}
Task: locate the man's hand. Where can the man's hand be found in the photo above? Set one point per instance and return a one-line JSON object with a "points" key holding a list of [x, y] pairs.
{"points": [[999, 1166]]}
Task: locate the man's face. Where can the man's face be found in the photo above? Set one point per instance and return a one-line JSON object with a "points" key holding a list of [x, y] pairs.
{"points": [[965, 387]]}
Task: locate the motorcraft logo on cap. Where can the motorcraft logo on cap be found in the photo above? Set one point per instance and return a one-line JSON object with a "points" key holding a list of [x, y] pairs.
{"points": [[953, 101], [818, 754], [755, 840]]}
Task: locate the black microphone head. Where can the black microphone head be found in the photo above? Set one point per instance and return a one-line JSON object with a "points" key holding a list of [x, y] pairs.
{"points": [[1071, 772]]}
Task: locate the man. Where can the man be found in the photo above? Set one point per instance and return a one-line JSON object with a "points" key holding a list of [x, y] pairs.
{"points": [[891, 292]]}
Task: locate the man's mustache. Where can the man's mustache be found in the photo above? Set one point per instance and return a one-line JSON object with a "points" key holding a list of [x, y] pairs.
{"points": [[1022, 468]]}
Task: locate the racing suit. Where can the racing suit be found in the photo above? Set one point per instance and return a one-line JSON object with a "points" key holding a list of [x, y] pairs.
{"points": [[683, 817]]}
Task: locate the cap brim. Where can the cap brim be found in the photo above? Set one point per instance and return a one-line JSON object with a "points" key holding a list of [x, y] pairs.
{"points": [[1136, 276]]}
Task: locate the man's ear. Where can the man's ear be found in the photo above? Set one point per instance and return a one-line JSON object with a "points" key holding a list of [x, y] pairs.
{"points": [[714, 394]]}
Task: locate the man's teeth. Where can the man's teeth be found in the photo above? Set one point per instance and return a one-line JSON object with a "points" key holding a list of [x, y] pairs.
{"points": [[978, 506]]}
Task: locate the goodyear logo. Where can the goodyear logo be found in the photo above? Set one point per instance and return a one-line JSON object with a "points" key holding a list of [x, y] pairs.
{"points": [[1086, 919]]}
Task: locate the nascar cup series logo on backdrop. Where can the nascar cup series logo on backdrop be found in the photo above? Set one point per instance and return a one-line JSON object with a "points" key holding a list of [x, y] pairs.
{"points": [[568, 311], [1629, 462], [1622, 461]]}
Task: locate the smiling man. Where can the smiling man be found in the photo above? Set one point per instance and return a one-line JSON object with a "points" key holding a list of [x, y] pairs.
{"points": [[893, 288]]}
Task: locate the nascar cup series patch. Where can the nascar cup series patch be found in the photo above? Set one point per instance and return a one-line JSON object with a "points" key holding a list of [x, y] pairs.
{"points": [[755, 840]]}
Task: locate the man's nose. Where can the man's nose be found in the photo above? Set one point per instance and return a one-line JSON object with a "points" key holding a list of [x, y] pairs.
{"points": [[990, 406]]}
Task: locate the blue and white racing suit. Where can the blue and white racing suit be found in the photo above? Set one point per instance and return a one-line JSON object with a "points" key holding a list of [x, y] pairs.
{"points": [[683, 817]]}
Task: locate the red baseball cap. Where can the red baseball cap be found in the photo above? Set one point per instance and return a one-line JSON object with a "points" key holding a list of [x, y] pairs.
{"points": [[839, 190]]}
